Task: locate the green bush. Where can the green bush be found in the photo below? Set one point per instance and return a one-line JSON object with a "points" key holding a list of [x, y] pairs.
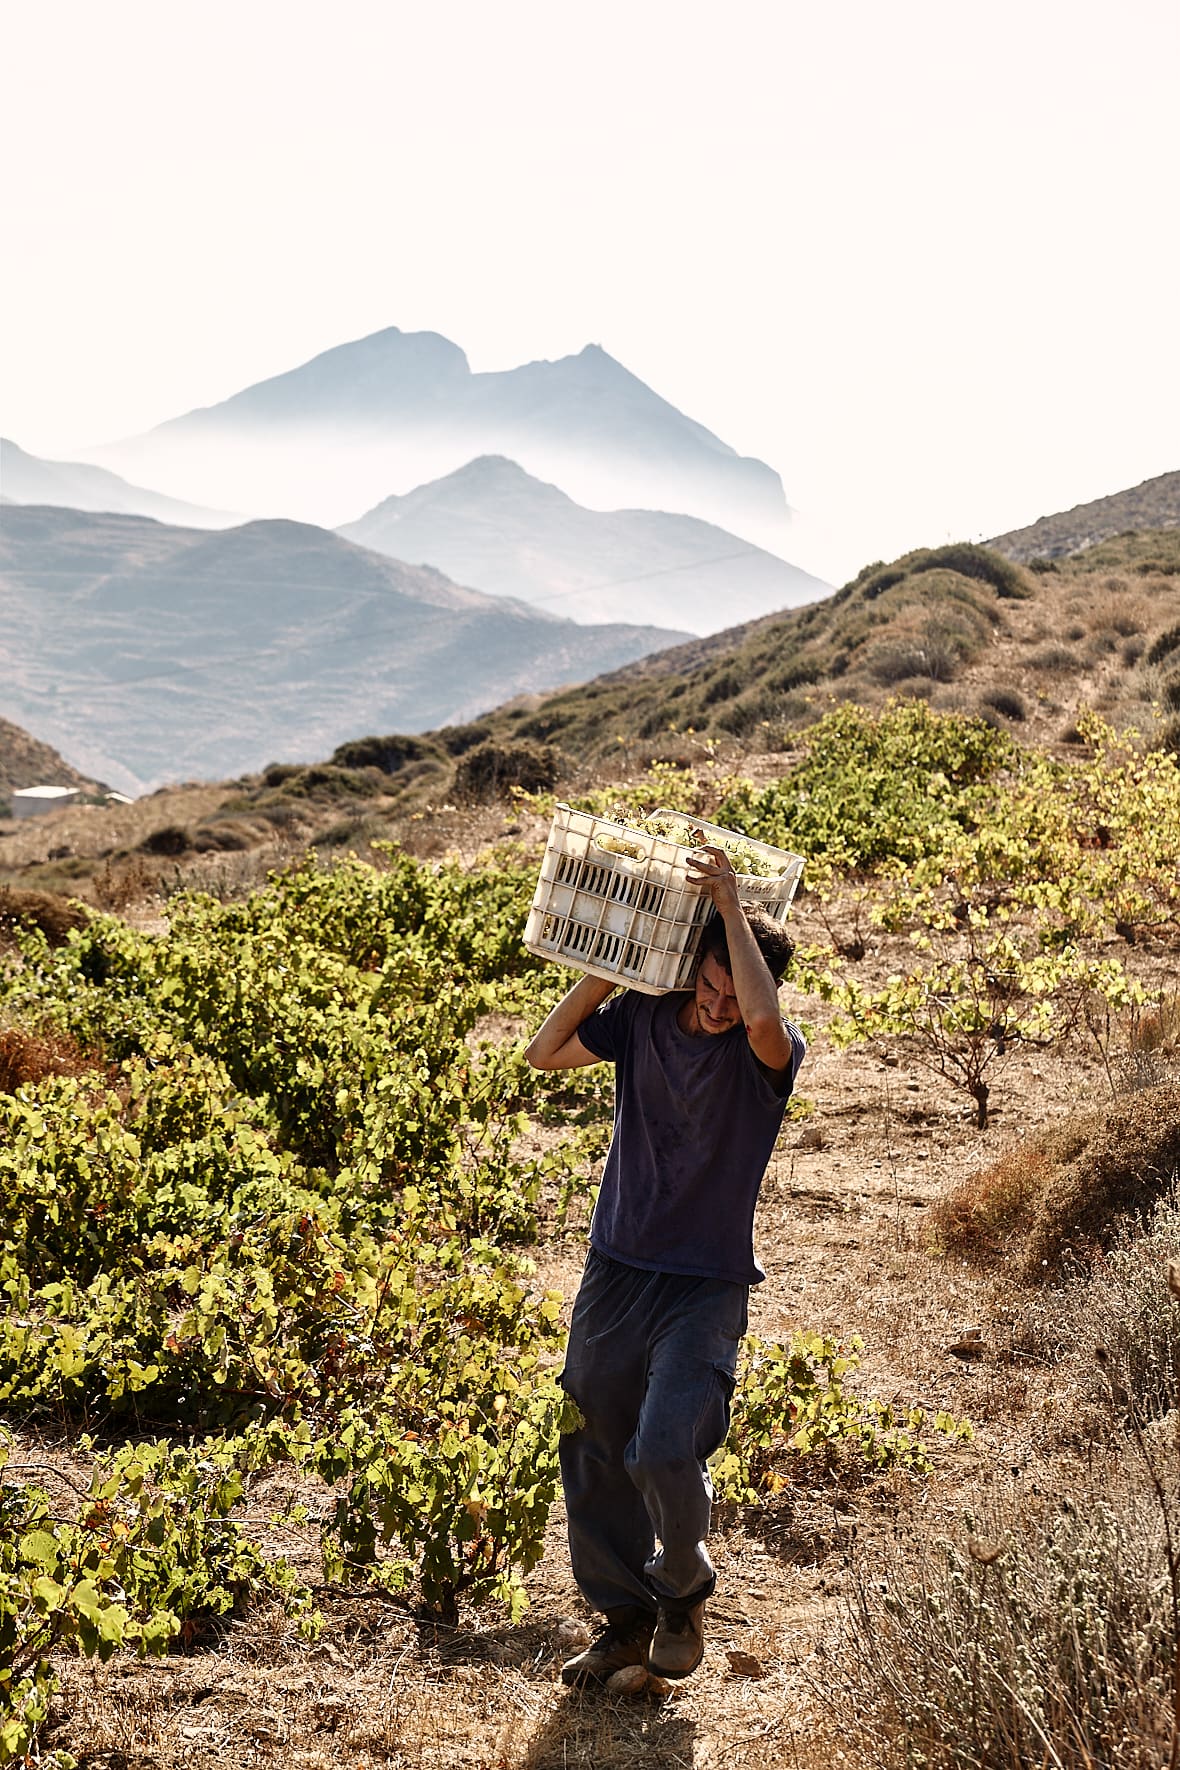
{"points": [[1163, 645], [491, 770], [456, 740], [883, 581], [722, 687], [874, 786], [971, 561], [800, 674], [389, 754]]}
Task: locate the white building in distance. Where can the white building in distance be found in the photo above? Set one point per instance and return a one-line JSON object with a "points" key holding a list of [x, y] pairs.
{"points": [[34, 801]]}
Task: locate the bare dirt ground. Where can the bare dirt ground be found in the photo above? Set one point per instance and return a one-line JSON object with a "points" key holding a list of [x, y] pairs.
{"points": [[841, 1234]]}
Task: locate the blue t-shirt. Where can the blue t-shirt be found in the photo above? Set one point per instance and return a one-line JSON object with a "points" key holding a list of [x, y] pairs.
{"points": [[696, 1118]]}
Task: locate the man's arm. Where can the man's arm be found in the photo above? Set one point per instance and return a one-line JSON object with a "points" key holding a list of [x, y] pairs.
{"points": [[555, 1044], [755, 988]]}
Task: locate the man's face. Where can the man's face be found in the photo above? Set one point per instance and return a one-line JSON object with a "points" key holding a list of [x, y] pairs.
{"points": [[716, 1004]]}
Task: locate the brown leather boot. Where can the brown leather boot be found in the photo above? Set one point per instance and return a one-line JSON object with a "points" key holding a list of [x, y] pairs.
{"points": [[622, 1641], [679, 1642]]}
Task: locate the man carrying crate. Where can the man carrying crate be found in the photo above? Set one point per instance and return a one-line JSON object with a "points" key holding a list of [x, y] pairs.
{"points": [[702, 1080]]}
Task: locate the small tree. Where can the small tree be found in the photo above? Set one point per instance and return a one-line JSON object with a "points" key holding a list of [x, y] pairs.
{"points": [[988, 989]]}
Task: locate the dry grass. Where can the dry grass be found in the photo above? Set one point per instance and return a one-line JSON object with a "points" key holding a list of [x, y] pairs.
{"points": [[1036, 1633], [383, 1692], [978, 1216], [28, 1057]]}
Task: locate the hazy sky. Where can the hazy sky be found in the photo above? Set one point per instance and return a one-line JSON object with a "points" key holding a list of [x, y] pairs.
{"points": [[921, 257]]}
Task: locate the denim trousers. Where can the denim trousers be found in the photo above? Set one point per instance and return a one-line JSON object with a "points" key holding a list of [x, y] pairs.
{"points": [[650, 1364]]}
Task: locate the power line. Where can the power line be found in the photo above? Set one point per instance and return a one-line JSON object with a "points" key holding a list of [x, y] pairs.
{"points": [[378, 629], [222, 582]]}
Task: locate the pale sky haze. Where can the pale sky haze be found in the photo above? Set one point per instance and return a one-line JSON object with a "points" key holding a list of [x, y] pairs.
{"points": [[920, 257]]}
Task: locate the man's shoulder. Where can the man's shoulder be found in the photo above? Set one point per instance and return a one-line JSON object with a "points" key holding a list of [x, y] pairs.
{"points": [[602, 1030]]}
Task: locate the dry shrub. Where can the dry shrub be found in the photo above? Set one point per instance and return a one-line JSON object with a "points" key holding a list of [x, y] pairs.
{"points": [[1042, 1634], [1123, 1304], [897, 663], [979, 1215], [171, 839], [1053, 657], [1130, 1151], [234, 833], [1153, 1049], [29, 1057], [1006, 701], [124, 882], [55, 916], [1163, 645], [1064, 1193], [1157, 1028]]}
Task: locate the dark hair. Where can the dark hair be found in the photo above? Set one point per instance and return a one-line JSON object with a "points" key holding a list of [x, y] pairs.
{"points": [[774, 943]]}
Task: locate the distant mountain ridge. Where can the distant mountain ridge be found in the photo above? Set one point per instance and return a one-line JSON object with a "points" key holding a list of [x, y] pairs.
{"points": [[150, 652], [76, 485], [389, 411], [490, 523]]}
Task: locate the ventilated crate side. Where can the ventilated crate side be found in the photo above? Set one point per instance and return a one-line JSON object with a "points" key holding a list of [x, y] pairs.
{"points": [[632, 920], [652, 965], [614, 916]]}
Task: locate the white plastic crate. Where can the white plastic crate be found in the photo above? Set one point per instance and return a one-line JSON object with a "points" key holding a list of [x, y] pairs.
{"points": [[636, 919]]}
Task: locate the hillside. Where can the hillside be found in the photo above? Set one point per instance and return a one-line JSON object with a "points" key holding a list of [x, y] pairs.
{"points": [[494, 525], [957, 626], [385, 412], [150, 652], [961, 629], [27, 479], [1155, 504], [26, 762]]}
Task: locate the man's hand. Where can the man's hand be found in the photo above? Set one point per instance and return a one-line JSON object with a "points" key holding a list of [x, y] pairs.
{"points": [[716, 876]]}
